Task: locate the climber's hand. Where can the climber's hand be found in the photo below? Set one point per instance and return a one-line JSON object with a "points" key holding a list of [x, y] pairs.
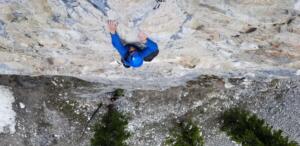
{"points": [[112, 26], [143, 37]]}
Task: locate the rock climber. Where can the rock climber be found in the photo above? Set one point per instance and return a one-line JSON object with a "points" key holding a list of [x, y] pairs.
{"points": [[131, 54]]}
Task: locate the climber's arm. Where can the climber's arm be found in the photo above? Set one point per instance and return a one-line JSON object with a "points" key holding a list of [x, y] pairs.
{"points": [[116, 42], [150, 48]]}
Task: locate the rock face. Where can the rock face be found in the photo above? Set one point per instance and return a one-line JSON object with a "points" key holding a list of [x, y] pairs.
{"points": [[56, 109], [7, 121], [246, 53], [69, 37]]}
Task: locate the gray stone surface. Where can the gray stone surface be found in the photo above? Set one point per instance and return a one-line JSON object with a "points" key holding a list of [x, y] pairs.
{"points": [[69, 37], [214, 54], [56, 109]]}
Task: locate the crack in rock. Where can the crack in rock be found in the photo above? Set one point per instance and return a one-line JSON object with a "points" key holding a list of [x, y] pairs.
{"points": [[100, 5], [71, 3], [3, 32], [176, 36]]}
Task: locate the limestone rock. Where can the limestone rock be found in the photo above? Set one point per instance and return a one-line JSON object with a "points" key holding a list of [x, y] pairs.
{"points": [[194, 36]]}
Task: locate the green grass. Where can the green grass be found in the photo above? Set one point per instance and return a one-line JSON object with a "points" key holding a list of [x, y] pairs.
{"points": [[185, 134], [248, 130], [111, 131]]}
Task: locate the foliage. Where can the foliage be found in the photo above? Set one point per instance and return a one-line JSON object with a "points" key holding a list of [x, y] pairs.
{"points": [[247, 129], [185, 134], [118, 92], [111, 131]]}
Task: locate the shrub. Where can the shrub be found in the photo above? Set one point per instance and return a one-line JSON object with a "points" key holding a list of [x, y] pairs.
{"points": [[111, 131], [248, 130], [185, 134], [118, 93]]}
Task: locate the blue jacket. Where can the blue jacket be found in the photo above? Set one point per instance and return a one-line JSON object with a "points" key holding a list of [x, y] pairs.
{"points": [[150, 48]]}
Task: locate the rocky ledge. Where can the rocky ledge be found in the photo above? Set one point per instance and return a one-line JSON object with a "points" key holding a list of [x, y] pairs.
{"points": [[54, 110]]}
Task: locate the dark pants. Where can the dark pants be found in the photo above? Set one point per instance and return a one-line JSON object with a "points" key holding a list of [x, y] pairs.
{"points": [[126, 66]]}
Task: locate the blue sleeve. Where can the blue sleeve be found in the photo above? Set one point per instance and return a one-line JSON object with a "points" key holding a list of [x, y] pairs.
{"points": [[150, 48], [116, 42]]}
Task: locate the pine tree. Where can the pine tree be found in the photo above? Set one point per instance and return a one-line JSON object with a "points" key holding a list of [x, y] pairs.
{"points": [[112, 129], [185, 134], [247, 129]]}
